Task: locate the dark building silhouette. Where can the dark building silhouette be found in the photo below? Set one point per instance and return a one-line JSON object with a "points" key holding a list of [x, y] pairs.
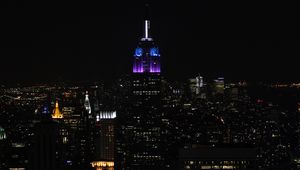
{"points": [[3, 148], [45, 152]]}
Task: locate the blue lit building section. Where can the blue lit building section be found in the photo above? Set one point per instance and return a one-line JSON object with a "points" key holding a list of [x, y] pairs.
{"points": [[146, 55], [138, 52], [154, 52]]}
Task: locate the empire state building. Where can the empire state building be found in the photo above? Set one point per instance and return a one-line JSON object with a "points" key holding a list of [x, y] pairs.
{"points": [[140, 144], [146, 55]]}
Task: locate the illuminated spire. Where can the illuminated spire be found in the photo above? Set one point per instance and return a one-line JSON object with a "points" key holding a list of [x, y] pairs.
{"points": [[147, 28], [56, 112], [147, 31], [87, 104], [146, 55], [147, 25]]}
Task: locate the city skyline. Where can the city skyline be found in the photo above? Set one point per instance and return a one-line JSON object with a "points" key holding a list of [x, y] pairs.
{"points": [[68, 42], [84, 96]]}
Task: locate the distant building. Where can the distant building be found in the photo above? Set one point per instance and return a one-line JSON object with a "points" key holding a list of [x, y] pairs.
{"points": [[232, 92], [106, 145], [219, 86], [87, 104], [3, 149], [56, 114], [205, 157], [2, 134], [71, 118], [195, 85], [105, 140], [45, 155]]}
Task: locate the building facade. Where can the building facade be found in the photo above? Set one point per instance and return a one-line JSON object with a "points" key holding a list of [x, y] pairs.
{"points": [[139, 145]]}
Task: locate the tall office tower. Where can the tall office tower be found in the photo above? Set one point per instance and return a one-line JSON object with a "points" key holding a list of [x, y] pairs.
{"points": [[75, 136], [85, 133], [62, 136], [104, 142], [45, 155], [140, 146]]}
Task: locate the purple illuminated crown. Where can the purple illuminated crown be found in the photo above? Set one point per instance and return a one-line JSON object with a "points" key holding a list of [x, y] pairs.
{"points": [[146, 55]]}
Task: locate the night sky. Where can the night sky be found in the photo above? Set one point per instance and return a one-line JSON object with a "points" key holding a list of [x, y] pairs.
{"points": [[54, 40]]}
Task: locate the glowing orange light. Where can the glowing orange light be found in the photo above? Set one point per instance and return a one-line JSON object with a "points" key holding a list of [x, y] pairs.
{"points": [[102, 164], [56, 112]]}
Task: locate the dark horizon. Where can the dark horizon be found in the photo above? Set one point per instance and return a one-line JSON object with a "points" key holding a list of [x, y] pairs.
{"points": [[42, 42]]}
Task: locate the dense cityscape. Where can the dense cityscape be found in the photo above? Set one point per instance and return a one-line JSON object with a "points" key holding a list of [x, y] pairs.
{"points": [[144, 121], [196, 124]]}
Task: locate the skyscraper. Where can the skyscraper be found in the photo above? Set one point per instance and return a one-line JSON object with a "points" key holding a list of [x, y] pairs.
{"points": [[45, 147], [140, 146], [105, 142], [146, 55]]}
